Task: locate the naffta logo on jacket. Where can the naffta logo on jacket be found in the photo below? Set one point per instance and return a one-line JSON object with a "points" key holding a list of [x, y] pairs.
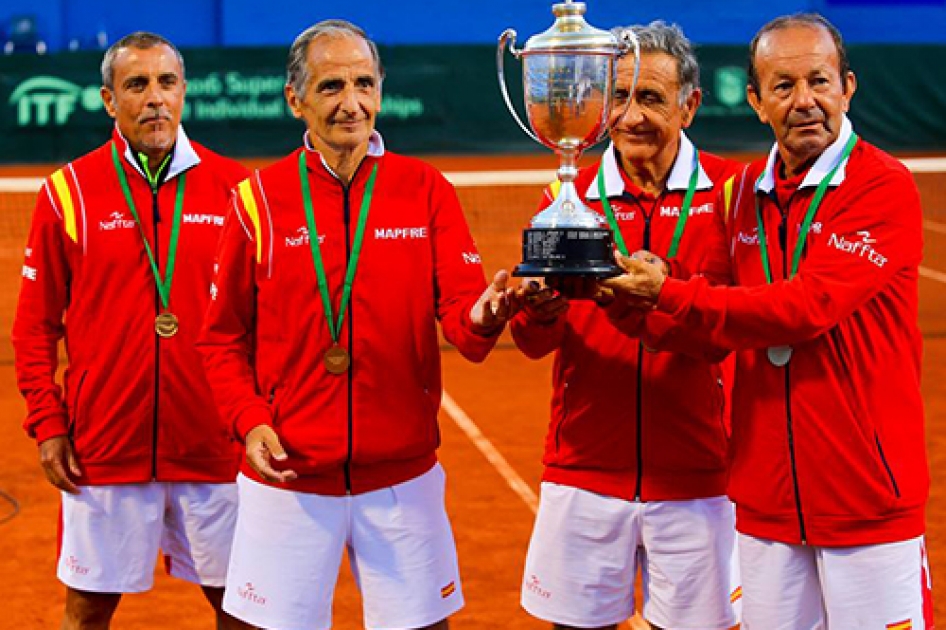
{"points": [[860, 244], [117, 221]]}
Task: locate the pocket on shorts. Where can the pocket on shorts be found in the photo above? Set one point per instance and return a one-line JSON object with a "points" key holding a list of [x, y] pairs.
{"points": [[413, 499]]}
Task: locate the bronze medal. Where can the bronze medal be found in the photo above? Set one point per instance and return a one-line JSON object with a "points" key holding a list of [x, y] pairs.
{"points": [[166, 324], [779, 356], [337, 360]]}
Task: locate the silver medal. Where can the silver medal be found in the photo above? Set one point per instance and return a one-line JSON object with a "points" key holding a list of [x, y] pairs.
{"points": [[779, 356]]}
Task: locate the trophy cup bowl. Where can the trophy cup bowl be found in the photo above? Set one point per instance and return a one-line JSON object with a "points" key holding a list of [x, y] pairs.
{"points": [[568, 78]]}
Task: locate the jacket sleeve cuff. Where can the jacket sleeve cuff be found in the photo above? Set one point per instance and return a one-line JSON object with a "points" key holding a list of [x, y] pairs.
{"points": [[53, 425], [672, 296], [251, 418]]}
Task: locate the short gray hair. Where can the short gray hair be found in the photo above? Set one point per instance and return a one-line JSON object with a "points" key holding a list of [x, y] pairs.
{"points": [[142, 40], [660, 37], [297, 71]]}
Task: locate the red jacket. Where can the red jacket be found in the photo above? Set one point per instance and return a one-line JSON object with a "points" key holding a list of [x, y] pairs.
{"points": [[828, 450], [628, 422], [266, 333], [137, 407]]}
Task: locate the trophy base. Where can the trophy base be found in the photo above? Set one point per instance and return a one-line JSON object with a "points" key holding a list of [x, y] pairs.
{"points": [[567, 252], [525, 270]]}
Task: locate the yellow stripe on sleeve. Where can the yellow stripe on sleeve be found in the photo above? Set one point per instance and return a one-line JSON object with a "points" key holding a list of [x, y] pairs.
{"points": [[68, 208], [249, 204], [727, 196]]}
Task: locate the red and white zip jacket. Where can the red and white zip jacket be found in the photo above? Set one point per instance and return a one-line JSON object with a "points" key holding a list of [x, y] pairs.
{"points": [[628, 422], [137, 407], [266, 331], [828, 450]]}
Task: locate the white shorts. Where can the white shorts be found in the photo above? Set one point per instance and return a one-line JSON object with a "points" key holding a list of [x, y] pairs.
{"points": [[585, 550], [111, 534], [874, 587], [288, 547]]}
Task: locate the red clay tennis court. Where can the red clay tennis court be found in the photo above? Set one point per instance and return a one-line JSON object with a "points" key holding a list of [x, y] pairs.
{"points": [[493, 426]]}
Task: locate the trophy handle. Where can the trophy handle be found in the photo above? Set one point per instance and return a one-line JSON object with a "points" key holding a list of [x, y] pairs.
{"points": [[629, 40], [510, 36]]}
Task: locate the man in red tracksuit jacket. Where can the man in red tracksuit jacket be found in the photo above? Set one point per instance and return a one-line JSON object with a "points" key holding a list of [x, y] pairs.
{"points": [[132, 439], [322, 348], [829, 471], [637, 440]]}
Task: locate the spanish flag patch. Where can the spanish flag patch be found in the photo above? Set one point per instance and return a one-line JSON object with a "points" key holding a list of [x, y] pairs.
{"points": [[736, 595], [906, 624], [64, 188], [448, 590]]}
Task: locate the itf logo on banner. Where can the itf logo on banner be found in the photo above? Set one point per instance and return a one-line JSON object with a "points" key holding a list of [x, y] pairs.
{"points": [[46, 100]]}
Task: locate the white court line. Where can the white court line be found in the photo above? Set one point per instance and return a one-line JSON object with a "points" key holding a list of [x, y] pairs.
{"points": [[925, 165], [472, 179], [493, 456], [934, 226], [939, 276], [20, 184], [517, 483]]}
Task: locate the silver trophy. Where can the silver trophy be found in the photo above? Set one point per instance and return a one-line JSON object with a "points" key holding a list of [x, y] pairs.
{"points": [[568, 75]]}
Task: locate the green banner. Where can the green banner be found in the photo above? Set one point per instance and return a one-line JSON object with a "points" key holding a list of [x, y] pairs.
{"points": [[442, 99]]}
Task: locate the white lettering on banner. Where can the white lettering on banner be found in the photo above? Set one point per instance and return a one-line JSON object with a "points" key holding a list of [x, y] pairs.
{"points": [[118, 222], [400, 233], [213, 291], [862, 248], [625, 216], [669, 211], [203, 219], [29, 272], [471, 258], [29, 252]]}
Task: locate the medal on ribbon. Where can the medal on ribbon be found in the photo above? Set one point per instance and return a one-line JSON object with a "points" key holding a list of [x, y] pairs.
{"points": [[166, 324], [780, 356], [337, 359]]}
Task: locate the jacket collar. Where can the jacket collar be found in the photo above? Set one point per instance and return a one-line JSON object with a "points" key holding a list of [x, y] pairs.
{"points": [[183, 157], [375, 149], [822, 166], [679, 178]]}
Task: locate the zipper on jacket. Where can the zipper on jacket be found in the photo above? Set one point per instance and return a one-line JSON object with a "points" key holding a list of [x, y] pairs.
{"points": [[790, 431], [883, 458], [157, 340], [346, 207], [640, 374], [791, 454], [640, 421]]}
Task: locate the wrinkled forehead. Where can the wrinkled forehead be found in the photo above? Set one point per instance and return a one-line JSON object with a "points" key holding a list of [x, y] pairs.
{"points": [[334, 53], [655, 66], [797, 41], [152, 61]]}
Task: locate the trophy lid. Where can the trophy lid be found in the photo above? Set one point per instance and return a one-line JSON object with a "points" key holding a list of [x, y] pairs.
{"points": [[571, 33]]}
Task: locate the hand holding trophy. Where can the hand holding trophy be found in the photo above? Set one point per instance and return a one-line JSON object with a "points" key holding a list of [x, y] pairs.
{"points": [[568, 79]]}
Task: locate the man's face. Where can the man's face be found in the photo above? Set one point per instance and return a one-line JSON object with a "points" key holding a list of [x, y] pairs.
{"points": [[652, 123], [343, 95], [147, 98], [801, 94]]}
